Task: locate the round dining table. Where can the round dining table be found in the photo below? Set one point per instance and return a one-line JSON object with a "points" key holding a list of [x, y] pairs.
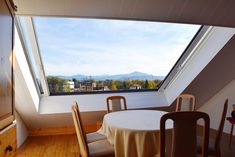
{"points": [[134, 133]]}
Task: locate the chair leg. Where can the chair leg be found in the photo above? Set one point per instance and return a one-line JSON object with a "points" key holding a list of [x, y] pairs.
{"points": [[231, 135], [218, 153]]}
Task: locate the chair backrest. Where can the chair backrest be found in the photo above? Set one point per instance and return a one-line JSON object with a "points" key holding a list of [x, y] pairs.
{"points": [[82, 141], [184, 133], [221, 126], [185, 98], [116, 103]]}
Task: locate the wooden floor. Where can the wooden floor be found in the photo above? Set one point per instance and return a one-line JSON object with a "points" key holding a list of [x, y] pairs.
{"points": [[66, 146], [49, 146]]}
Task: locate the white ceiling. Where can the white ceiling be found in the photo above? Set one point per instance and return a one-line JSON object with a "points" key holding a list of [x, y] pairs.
{"points": [[207, 12]]}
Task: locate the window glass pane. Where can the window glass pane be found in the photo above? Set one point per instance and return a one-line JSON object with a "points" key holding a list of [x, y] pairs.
{"points": [[29, 52], [82, 55]]}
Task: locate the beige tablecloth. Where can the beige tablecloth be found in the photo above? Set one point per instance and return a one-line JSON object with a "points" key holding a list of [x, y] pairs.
{"points": [[134, 133]]}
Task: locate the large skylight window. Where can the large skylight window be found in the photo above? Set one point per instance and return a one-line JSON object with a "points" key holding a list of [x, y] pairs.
{"points": [[84, 55]]}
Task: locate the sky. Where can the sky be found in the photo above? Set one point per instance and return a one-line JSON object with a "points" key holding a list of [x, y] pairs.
{"points": [[71, 46]]}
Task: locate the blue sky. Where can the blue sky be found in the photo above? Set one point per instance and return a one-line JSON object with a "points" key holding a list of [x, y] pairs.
{"points": [[72, 46]]}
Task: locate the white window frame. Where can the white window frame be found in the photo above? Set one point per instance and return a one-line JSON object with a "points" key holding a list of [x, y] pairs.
{"points": [[36, 54]]}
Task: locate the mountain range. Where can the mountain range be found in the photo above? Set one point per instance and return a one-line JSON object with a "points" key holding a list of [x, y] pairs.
{"points": [[130, 76]]}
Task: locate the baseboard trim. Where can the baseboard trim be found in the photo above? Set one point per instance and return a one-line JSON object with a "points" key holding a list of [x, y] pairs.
{"points": [[60, 130]]}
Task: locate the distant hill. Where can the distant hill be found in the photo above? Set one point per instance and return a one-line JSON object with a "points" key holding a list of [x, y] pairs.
{"points": [[131, 76]]}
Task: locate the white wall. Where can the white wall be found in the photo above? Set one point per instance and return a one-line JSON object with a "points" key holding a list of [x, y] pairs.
{"points": [[97, 102], [214, 106], [21, 130]]}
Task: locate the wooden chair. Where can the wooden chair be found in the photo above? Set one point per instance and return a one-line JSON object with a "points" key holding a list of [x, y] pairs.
{"points": [[214, 144], [183, 98], [116, 103], [184, 133], [101, 148], [93, 136]]}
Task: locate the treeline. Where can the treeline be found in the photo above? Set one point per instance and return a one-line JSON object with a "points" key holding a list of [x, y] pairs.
{"points": [[57, 84], [127, 84]]}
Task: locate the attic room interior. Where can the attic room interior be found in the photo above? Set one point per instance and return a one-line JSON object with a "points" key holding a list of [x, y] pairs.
{"points": [[103, 78]]}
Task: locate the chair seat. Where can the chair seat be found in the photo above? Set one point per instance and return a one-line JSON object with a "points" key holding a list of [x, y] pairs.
{"points": [[211, 146], [101, 148], [94, 136]]}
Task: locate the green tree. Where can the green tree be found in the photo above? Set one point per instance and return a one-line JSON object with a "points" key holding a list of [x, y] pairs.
{"points": [[75, 82], [146, 84], [67, 88], [124, 85], [149, 84], [152, 85], [113, 85], [55, 84]]}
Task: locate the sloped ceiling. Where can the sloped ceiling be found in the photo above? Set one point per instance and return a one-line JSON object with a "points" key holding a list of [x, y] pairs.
{"points": [[207, 12], [218, 73]]}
